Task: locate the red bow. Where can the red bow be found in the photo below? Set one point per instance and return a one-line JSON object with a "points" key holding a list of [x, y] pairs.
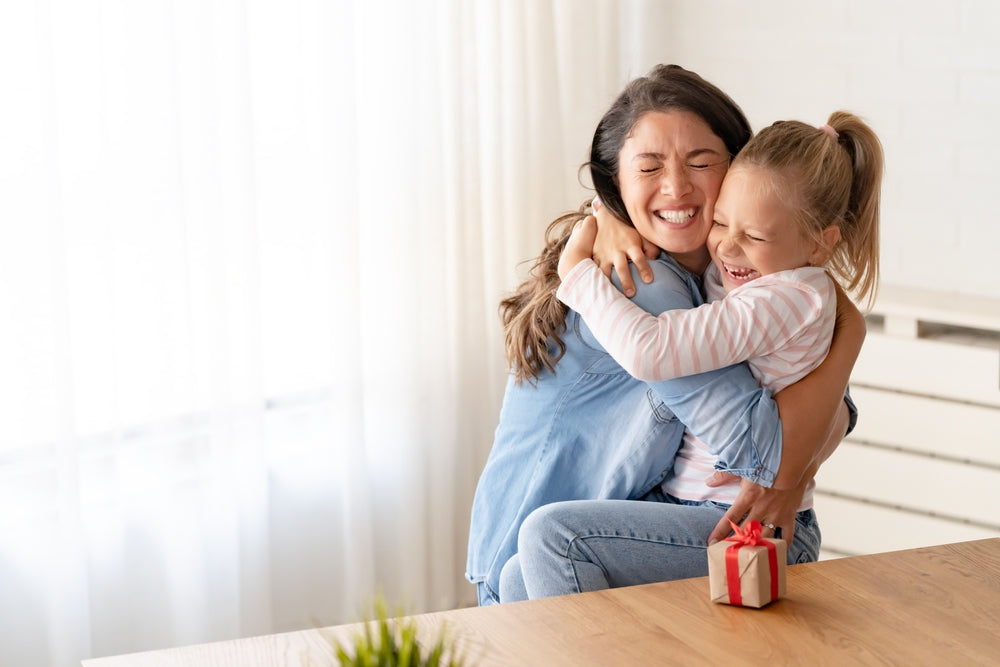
{"points": [[749, 536]]}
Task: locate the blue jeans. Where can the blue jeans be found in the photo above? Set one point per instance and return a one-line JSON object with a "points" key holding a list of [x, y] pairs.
{"points": [[486, 595], [587, 545]]}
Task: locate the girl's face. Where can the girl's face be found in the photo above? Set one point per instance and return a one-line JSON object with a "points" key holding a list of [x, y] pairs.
{"points": [[755, 231], [670, 170]]}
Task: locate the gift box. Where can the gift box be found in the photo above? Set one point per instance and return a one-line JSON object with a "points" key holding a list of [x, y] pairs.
{"points": [[747, 569]]}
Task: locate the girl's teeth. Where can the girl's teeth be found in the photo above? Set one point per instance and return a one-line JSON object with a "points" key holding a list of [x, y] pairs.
{"points": [[739, 274], [676, 217]]}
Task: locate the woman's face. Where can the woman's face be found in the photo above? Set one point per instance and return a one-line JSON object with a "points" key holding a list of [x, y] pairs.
{"points": [[670, 170]]}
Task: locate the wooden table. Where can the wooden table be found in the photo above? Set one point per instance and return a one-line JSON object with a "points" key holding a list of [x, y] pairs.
{"points": [[928, 606]]}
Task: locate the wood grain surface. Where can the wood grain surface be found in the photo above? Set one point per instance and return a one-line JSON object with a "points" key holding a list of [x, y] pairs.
{"points": [[930, 606]]}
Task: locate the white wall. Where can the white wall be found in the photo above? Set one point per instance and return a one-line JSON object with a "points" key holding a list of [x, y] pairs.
{"points": [[926, 75]]}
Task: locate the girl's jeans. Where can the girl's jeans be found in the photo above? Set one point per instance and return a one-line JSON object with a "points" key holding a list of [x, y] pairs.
{"points": [[586, 545]]}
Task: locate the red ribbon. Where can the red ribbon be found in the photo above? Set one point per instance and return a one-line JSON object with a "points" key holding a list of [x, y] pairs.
{"points": [[750, 536]]}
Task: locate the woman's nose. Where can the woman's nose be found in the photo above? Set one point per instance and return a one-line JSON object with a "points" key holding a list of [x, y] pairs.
{"points": [[675, 181]]}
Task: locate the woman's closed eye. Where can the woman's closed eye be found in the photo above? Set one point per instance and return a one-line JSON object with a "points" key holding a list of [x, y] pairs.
{"points": [[703, 164]]}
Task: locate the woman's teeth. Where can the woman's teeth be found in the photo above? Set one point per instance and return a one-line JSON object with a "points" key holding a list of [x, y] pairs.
{"points": [[676, 217]]}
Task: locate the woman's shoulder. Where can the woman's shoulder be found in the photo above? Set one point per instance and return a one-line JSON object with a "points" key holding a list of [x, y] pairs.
{"points": [[672, 287]]}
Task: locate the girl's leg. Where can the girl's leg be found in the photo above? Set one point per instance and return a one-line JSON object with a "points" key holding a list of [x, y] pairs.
{"points": [[586, 545]]}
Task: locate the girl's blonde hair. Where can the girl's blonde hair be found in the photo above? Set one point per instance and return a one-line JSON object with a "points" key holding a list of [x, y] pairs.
{"points": [[833, 176]]}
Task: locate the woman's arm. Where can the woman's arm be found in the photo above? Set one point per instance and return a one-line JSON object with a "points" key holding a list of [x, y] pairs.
{"points": [[777, 507]]}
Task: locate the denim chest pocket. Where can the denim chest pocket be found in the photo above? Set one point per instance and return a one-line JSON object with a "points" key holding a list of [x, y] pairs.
{"points": [[659, 409], [603, 364]]}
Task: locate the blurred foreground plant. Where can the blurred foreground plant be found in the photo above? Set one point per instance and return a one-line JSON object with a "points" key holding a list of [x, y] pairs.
{"points": [[386, 642]]}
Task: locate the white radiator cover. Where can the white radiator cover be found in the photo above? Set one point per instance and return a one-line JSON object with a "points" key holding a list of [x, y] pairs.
{"points": [[923, 465]]}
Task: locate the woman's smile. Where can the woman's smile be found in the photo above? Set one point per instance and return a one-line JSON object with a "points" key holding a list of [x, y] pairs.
{"points": [[679, 217]]}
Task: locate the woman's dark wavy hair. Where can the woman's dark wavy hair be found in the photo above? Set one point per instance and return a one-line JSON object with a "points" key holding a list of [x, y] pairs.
{"points": [[533, 319], [665, 88]]}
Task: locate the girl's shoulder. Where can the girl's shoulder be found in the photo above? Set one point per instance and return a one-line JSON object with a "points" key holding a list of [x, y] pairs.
{"points": [[813, 279], [807, 289]]}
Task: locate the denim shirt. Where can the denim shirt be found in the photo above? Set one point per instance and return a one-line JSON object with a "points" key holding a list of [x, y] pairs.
{"points": [[590, 430]]}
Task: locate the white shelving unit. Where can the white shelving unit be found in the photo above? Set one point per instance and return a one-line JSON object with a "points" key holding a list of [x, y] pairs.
{"points": [[923, 465]]}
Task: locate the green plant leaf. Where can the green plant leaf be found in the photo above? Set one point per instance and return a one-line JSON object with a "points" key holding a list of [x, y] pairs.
{"points": [[386, 642]]}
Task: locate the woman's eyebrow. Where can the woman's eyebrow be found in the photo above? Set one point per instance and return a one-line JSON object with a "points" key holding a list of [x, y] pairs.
{"points": [[698, 152]]}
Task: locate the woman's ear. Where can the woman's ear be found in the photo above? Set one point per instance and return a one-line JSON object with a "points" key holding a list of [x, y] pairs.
{"points": [[828, 240]]}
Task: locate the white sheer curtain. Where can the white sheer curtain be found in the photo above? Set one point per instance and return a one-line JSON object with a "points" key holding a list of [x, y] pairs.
{"points": [[250, 258]]}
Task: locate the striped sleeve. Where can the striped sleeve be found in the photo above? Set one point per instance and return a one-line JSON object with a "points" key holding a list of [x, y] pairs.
{"points": [[752, 321]]}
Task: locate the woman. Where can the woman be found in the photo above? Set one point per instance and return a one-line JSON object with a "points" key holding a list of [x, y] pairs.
{"points": [[574, 425]]}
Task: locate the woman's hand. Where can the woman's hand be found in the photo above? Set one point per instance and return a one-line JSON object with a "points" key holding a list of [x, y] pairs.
{"points": [[775, 506], [771, 507], [617, 243], [579, 246]]}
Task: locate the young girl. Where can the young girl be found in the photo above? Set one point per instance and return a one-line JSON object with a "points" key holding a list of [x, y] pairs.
{"points": [[799, 206]]}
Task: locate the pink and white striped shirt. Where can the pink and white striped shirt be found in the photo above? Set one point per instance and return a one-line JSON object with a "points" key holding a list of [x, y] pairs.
{"points": [[781, 324]]}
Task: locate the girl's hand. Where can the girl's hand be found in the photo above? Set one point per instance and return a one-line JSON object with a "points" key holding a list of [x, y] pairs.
{"points": [[579, 246], [616, 244]]}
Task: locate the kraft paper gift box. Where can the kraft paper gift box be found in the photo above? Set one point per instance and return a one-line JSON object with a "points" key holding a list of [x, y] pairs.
{"points": [[747, 569]]}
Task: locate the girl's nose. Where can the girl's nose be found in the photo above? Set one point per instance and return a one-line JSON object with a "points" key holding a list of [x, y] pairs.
{"points": [[726, 247]]}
